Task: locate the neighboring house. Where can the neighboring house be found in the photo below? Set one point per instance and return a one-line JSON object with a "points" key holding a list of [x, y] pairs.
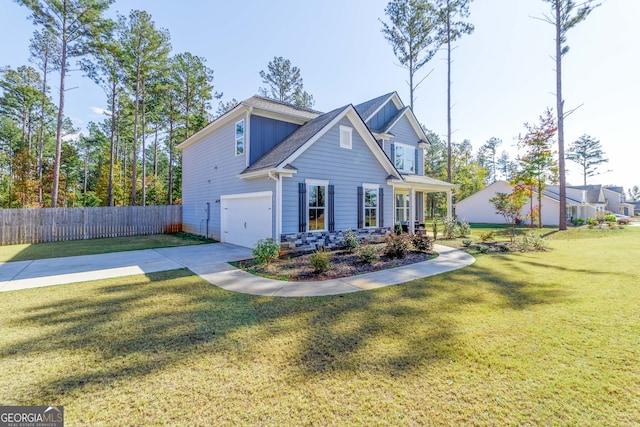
{"points": [[616, 201], [302, 177], [581, 202]]}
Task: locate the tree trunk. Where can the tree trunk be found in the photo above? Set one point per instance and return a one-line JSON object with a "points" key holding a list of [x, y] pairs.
{"points": [[170, 189], [112, 141], [41, 133], [560, 106], [56, 161], [144, 163], [134, 165], [448, 23]]}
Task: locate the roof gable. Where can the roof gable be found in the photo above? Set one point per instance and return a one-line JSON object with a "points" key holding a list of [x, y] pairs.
{"points": [[299, 141]]}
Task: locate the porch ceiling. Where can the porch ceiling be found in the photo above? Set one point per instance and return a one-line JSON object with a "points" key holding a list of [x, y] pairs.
{"points": [[422, 183]]}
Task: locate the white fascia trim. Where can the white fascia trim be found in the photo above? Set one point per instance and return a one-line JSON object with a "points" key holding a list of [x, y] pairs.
{"points": [[270, 114], [371, 142], [319, 182], [383, 136], [228, 117]]}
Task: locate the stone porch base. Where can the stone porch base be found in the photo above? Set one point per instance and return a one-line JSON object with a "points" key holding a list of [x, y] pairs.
{"points": [[314, 240]]}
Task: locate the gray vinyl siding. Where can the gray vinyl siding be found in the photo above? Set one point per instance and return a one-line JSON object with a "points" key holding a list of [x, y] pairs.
{"points": [[345, 169], [210, 169], [403, 133]]}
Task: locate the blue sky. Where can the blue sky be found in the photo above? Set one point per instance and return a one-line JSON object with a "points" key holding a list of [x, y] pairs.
{"points": [[503, 74]]}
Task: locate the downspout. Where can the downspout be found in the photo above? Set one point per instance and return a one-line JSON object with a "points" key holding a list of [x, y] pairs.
{"points": [[278, 179]]}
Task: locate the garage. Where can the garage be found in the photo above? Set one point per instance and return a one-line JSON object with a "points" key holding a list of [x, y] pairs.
{"points": [[246, 218]]}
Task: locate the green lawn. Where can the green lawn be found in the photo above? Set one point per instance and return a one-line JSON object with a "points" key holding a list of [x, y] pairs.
{"points": [[546, 338], [96, 246]]}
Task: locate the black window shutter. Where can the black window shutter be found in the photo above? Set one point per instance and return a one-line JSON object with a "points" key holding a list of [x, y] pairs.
{"points": [[381, 207], [302, 207], [417, 164], [360, 208], [393, 153], [332, 222]]}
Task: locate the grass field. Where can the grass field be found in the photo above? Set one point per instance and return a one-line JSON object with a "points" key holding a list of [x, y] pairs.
{"points": [[96, 246], [546, 338]]}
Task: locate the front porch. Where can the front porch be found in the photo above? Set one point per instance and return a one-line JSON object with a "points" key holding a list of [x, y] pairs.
{"points": [[409, 197]]}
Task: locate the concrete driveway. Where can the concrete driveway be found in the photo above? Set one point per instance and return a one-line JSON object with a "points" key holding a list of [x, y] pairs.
{"points": [[211, 263]]}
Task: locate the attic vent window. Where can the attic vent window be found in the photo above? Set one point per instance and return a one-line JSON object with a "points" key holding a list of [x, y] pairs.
{"points": [[345, 137], [240, 138]]}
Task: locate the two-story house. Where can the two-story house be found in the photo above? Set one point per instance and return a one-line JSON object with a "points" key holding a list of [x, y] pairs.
{"points": [[302, 177]]}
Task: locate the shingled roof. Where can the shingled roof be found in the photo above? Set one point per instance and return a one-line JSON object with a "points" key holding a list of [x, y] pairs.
{"points": [[593, 192], [278, 154], [367, 108], [264, 103]]}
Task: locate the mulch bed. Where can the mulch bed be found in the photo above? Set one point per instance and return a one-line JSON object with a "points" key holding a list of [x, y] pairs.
{"points": [[296, 267]]}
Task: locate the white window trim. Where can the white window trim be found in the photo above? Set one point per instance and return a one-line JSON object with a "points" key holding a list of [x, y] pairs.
{"points": [[413, 159], [319, 183], [365, 187], [349, 141], [244, 137]]}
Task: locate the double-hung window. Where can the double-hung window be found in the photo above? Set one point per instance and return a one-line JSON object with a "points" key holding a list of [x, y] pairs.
{"points": [[239, 137], [316, 205], [405, 158], [370, 194], [402, 207]]}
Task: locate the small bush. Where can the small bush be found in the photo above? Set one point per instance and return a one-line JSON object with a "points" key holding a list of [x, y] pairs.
{"points": [[319, 261], [486, 236], [592, 222], [451, 229], [465, 229], [577, 221], [350, 240], [434, 227], [610, 218], [397, 246], [422, 242], [623, 221], [266, 251], [368, 254], [503, 247], [466, 242], [483, 249], [531, 241]]}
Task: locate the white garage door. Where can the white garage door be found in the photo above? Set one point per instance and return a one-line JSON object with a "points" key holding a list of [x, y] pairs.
{"points": [[246, 218]]}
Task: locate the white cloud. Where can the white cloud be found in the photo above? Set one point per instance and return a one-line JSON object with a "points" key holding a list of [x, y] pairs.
{"points": [[100, 111]]}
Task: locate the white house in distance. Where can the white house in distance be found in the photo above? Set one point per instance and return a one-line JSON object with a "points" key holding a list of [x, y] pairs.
{"points": [[588, 201]]}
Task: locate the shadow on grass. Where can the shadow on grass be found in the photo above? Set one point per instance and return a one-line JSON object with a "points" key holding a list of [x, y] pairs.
{"points": [[139, 328]]}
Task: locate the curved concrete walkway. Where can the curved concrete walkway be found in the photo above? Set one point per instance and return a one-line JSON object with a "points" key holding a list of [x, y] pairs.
{"points": [[211, 263]]}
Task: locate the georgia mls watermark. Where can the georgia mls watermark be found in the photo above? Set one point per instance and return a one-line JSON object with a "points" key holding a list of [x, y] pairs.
{"points": [[31, 416]]}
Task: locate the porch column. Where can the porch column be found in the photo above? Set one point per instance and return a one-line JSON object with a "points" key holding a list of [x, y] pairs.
{"points": [[412, 211], [449, 203]]}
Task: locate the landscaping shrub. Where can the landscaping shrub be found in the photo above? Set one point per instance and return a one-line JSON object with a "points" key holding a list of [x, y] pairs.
{"points": [[623, 221], [266, 251], [350, 240], [397, 246], [592, 222], [503, 247], [483, 249], [577, 221], [531, 241], [422, 242], [434, 227], [466, 242], [319, 261], [368, 254], [451, 229], [465, 229], [610, 218], [486, 236]]}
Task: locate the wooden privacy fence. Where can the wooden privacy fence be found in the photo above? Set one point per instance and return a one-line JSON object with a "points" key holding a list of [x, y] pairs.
{"points": [[56, 224]]}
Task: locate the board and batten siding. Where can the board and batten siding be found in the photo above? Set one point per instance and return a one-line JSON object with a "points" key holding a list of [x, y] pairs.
{"points": [[211, 170], [383, 116], [266, 133], [346, 169], [404, 134]]}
